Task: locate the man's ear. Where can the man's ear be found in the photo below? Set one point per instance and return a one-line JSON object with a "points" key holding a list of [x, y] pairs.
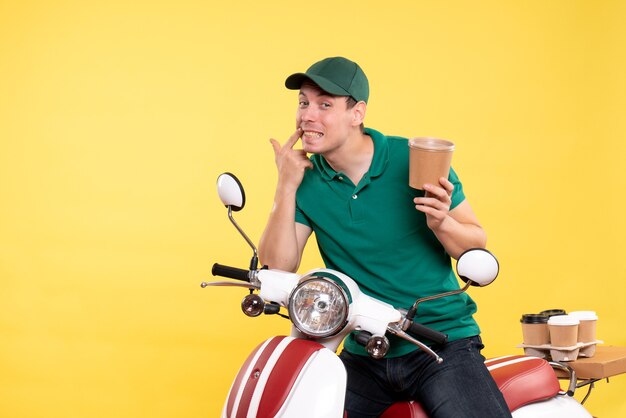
{"points": [[358, 113]]}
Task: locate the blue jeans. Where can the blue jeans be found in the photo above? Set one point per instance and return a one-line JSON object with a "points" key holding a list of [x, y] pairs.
{"points": [[460, 387]]}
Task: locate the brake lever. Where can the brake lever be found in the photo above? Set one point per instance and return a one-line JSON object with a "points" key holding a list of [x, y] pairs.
{"points": [[232, 284], [396, 330]]}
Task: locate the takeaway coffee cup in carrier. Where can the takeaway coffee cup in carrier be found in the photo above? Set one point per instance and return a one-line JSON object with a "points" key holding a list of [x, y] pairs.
{"points": [[563, 337], [586, 331], [535, 329], [563, 330], [429, 159], [587, 327]]}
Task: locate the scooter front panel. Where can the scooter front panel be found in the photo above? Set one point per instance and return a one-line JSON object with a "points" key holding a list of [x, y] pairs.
{"points": [[319, 391], [284, 375], [245, 383], [281, 377]]}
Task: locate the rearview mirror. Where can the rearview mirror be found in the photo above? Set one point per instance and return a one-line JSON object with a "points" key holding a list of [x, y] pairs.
{"points": [[478, 267], [231, 192]]}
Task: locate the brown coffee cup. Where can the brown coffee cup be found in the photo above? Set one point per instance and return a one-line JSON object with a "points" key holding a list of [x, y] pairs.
{"points": [[429, 159], [535, 329], [587, 327], [563, 330]]}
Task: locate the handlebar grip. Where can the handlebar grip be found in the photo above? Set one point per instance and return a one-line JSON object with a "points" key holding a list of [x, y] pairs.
{"points": [[362, 337], [230, 272], [419, 330]]}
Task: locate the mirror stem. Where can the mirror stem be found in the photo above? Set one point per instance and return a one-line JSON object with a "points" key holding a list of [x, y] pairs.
{"points": [[254, 262], [411, 312]]}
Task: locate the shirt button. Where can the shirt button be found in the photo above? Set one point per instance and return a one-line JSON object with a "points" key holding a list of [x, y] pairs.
{"points": [[340, 178], [354, 196]]}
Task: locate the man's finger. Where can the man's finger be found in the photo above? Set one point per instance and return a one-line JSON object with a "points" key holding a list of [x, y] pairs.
{"points": [[447, 185], [275, 146], [293, 138], [439, 192]]}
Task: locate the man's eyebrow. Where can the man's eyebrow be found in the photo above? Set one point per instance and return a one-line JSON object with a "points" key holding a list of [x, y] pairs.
{"points": [[322, 94]]}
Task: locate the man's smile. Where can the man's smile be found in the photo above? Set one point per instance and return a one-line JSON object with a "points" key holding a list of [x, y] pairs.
{"points": [[312, 135]]}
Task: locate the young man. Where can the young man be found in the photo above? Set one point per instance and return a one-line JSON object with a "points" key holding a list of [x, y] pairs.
{"points": [[395, 241]]}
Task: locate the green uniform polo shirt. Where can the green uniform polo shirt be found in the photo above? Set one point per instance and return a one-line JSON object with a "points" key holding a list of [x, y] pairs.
{"points": [[373, 233]]}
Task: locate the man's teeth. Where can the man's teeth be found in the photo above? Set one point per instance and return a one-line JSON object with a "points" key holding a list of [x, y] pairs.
{"points": [[313, 134]]}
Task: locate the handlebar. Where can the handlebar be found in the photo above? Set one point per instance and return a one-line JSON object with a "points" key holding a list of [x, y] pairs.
{"points": [[420, 331], [231, 272]]}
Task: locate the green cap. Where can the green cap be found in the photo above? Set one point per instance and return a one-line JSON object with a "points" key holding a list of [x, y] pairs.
{"points": [[337, 75]]}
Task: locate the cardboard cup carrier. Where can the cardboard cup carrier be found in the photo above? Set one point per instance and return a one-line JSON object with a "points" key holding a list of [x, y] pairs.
{"points": [[429, 159], [564, 336]]}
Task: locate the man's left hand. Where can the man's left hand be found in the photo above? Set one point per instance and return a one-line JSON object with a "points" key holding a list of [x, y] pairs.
{"points": [[436, 203]]}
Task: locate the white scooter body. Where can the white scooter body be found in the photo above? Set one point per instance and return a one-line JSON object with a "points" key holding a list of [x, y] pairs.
{"points": [[288, 377], [561, 406], [365, 312]]}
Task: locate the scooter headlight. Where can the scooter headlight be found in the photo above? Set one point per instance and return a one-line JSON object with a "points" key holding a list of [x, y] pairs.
{"points": [[318, 307]]}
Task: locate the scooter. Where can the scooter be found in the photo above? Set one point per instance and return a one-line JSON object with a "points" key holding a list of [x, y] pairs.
{"points": [[301, 376]]}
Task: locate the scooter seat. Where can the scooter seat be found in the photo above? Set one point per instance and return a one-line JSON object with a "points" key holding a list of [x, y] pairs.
{"points": [[409, 409], [521, 379]]}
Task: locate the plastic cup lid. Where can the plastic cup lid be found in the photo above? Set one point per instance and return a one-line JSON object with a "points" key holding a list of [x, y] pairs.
{"points": [[584, 315], [552, 312], [563, 320], [431, 144], [534, 319]]}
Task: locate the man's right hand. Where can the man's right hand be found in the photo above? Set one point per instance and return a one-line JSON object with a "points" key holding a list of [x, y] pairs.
{"points": [[291, 163]]}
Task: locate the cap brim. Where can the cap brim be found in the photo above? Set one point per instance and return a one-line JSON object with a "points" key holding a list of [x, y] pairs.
{"points": [[294, 82]]}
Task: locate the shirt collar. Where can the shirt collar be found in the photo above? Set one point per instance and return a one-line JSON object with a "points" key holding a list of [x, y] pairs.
{"points": [[379, 160]]}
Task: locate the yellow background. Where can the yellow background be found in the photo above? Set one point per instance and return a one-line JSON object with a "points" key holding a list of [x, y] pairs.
{"points": [[116, 118]]}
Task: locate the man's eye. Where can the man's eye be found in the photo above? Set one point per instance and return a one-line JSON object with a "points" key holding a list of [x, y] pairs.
{"points": [[325, 105], [302, 103]]}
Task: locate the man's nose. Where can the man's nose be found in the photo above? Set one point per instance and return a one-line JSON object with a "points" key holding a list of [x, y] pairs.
{"points": [[308, 114]]}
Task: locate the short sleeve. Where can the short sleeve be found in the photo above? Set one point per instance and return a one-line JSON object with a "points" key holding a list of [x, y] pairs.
{"points": [[301, 217], [458, 196]]}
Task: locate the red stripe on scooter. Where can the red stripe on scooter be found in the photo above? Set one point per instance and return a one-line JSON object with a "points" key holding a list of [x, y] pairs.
{"points": [[251, 380], [284, 375], [232, 395]]}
